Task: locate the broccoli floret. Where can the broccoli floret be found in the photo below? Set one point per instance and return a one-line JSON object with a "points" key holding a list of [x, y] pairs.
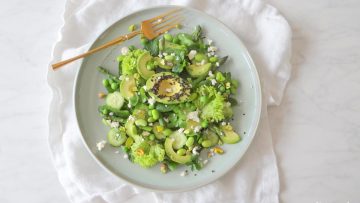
{"points": [[214, 110], [147, 155], [128, 61]]}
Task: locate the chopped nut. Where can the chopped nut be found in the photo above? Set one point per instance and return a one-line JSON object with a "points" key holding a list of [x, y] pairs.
{"points": [[163, 168], [101, 95], [218, 150]]}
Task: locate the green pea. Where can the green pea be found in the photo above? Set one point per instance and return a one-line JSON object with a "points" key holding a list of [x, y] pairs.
{"points": [[151, 119], [181, 152], [150, 66], [155, 114], [206, 143], [190, 142], [199, 57], [114, 86], [204, 123], [151, 137], [213, 59], [141, 122], [167, 132], [144, 40], [151, 106], [169, 58], [222, 89], [106, 82], [132, 28], [168, 37], [105, 111]]}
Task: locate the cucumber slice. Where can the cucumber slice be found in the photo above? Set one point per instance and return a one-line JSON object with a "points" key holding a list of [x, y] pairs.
{"points": [[179, 139], [115, 137], [211, 136], [130, 128], [115, 100]]}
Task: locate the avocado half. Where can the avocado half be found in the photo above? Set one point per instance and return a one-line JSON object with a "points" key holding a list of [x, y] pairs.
{"points": [[168, 88]]}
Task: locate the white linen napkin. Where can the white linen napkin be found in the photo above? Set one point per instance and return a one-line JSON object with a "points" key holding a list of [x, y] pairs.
{"points": [[266, 34]]}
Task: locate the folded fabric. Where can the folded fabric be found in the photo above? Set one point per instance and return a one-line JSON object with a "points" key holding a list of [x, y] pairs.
{"points": [[266, 34]]}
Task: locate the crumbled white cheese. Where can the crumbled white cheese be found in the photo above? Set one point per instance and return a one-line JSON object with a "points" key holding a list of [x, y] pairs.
{"points": [[223, 123], [126, 156], [194, 115], [211, 74], [114, 124], [150, 124], [181, 130], [184, 173], [111, 113], [121, 77], [205, 161], [145, 133], [144, 87], [151, 101], [172, 54], [100, 145], [129, 105], [160, 55], [209, 41], [124, 50], [168, 90], [131, 118], [208, 54], [192, 54], [195, 150], [197, 129], [166, 119], [212, 48], [177, 58], [165, 54], [212, 53], [213, 81], [217, 64], [202, 62]]}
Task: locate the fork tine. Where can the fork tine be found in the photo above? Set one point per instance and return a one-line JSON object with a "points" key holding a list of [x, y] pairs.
{"points": [[167, 28], [165, 20], [165, 14], [171, 23]]}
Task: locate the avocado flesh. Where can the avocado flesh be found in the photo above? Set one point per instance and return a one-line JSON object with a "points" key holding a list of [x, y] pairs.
{"points": [[198, 70], [229, 137], [128, 87], [162, 64], [210, 135], [168, 88], [173, 155], [141, 65]]}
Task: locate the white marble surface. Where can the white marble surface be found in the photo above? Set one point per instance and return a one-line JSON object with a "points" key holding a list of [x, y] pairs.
{"points": [[316, 129]]}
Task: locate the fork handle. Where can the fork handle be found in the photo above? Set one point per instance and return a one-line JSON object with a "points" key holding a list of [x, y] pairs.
{"points": [[104, 46]]}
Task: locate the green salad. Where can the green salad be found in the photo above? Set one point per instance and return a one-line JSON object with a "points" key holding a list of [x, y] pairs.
{"points": [[169, 101]]}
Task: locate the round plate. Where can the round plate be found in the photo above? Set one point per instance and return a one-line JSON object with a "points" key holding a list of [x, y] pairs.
{"points": [[247, 113]]}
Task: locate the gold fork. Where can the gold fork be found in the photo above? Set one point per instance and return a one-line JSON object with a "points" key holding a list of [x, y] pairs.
{"points": [[150, 28]]}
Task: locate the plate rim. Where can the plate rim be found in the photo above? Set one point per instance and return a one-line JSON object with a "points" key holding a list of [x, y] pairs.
{"points": [[253, 128]]}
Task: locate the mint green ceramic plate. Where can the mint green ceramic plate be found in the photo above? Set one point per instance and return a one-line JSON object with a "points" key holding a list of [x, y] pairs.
{"points": [[247, 113]]}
